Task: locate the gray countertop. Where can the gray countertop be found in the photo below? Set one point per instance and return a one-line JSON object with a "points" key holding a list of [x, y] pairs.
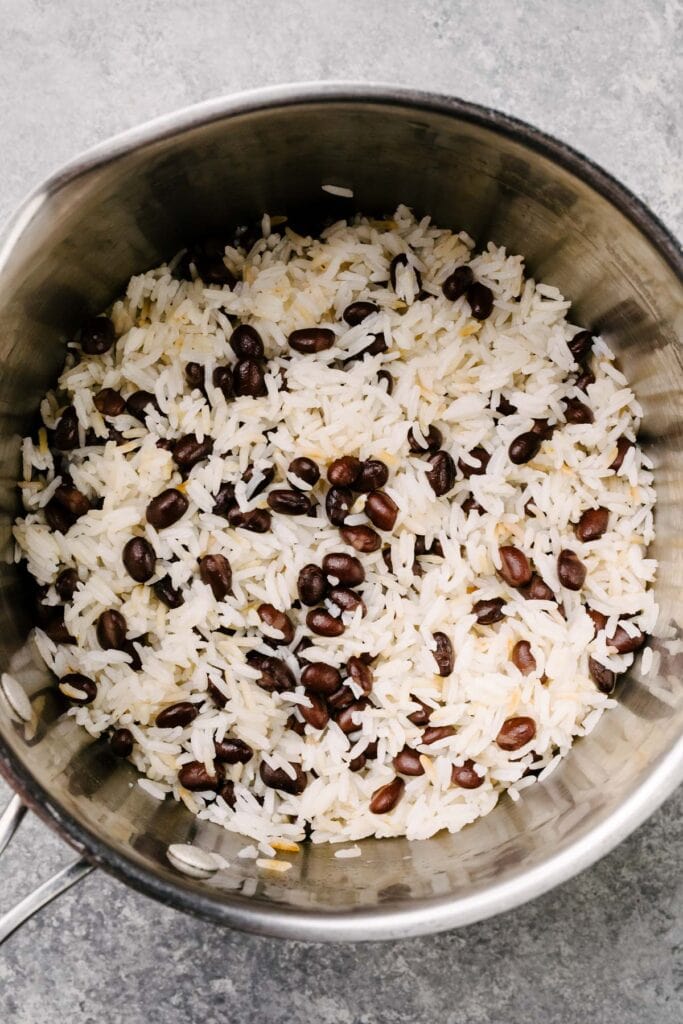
{"points": [[603, 76]]}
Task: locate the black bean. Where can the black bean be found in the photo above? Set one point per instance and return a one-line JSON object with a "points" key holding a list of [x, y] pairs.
{"points": [[140, 403], [381, 510], [275, 674], [580, 346], [317, 715], [84, 687], [322, 623], [543, 429], [599, 620], [289, 502], [538, 590], [515, 568], [306, 469], [338, 502], [422, 715], [139, 559], [443, 654], [432, 440], [505, 407], [441, 476], [194, 375], [97, 335], [623, 445], [624, 642], [121, 742], [346, 568], [585, 379], [470, 504], [386, 797], [402, 261], [267, 477], [356, 312], [343, 472], [222, 380], [66, 431], [109, 402], [320, 677], [167, 508], [465, 776], [168, 594], [386, 378], [256, 520], [346, 600], [66, 584], [524, 447], [277, 778], [165, 444], [457, 283], [592, 524], [435, 548], [248, 379], [111, 630], [576, 411], [311, 339], [189, 450], [181, 713], [372, 477], [407, 762], [604, 678], [57, 517], [311, 585], [360, 673], [195, 777], [231, 750], [386, 557], [516, 732], [374, 348], [216, 695], [277, 620], [489, 610], [227, 792], [131, 651], [224, 499], [73, 500], [357, 763], [571, 571], [480, 299], [346, 718], [300, 648], [482, 459], [362, 538], [434, 733], [523, 658], [246, 342], [215, 572]]}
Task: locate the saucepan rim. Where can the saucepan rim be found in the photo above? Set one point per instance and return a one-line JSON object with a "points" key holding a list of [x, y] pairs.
{"points": [[416, 917]]}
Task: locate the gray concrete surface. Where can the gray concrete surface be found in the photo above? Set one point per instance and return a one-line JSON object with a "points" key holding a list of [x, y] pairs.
{"points": [[606, 77]]}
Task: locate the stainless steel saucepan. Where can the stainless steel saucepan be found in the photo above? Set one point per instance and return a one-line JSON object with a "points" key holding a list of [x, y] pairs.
{"points": [[129, 203]]}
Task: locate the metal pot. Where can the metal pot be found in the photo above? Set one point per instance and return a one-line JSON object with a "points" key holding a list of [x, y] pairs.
{"points": [[131, 202]]}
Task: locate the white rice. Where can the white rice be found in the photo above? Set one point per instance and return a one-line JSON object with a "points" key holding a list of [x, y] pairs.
{"points": [[448, 370]]}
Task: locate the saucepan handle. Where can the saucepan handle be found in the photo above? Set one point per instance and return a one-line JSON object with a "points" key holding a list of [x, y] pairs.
{"points": [[9, 823]]}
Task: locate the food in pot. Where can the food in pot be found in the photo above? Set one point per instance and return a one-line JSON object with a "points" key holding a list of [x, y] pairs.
{"points": [[339, 536]]}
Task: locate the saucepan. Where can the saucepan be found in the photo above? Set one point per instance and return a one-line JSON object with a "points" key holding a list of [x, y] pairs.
{"points": [[128, 204]]}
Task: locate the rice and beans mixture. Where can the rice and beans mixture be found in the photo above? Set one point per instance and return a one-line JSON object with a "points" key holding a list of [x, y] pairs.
{"points": [[339, 536]]}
